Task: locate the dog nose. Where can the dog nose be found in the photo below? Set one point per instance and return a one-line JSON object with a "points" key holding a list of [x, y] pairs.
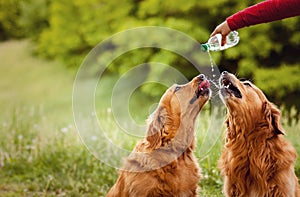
{"points": [[201, 76], [224, 73]]}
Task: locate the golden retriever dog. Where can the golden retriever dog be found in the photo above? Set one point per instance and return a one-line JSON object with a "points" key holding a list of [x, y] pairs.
{"points": [[257, 161], [163, 163]]}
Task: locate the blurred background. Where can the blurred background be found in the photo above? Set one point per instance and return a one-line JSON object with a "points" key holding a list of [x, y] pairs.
{"points": [[43, 43]]}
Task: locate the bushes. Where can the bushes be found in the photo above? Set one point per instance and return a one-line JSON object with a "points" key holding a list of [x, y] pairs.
{"points": [[26, 18], [78, 26], [68, 30], [9, 15]]}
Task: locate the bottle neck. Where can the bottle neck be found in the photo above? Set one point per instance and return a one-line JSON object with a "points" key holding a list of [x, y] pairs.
{"points": [[205, 47]]}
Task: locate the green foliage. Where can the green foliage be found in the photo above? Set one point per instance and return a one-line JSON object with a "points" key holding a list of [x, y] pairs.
{"points": [[278, 81], [9, 15], [25, 18], [68, 30], [77, 26], [33, 17]]}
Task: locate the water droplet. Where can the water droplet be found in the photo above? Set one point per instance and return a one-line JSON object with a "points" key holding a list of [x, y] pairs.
{"points": [[214, 75]]}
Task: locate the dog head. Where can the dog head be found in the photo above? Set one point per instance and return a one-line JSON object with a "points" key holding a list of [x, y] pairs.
{"points": [[248, 104], [178, 108]]}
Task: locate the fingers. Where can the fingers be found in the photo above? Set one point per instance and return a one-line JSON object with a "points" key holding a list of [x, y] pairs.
{"points": [[222, 29], [216, 31], [223, 41]]}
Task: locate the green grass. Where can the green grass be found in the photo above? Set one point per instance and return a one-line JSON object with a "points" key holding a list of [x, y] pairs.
{"points": [[29, 82], [41, 153]]}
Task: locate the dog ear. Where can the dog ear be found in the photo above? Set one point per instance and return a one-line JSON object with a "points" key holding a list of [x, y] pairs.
{"points": [[276, 120], [274, 117], [155, 129]]}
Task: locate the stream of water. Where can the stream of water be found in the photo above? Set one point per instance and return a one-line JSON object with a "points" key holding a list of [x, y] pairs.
{"points": [[214, 77]]}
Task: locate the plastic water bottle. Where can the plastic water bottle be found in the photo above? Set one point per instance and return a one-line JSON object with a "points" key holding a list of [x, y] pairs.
{"points": [[214, 43]]}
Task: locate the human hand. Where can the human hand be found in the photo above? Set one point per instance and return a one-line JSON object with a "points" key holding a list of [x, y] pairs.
{"points": [[222, 29]]}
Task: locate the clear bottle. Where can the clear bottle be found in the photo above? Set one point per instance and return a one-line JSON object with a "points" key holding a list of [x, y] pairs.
{"points": [[214, 43]]}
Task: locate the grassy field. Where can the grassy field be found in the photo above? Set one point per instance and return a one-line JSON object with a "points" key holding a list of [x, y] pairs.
{"points": [[41, 153]]}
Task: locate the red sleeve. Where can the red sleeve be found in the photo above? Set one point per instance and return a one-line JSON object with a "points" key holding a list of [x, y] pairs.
{"points": [[266, 11]]}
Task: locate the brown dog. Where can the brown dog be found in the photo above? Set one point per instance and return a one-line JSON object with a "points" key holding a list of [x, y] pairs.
{"points": [[163, 163], [257, 161]]}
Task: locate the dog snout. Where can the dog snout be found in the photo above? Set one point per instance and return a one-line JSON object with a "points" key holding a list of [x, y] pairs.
{"points": [[225, 73], [201, 77]]}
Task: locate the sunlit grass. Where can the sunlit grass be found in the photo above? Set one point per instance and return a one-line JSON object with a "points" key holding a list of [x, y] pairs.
{"points": [[30, 81], [41, 153], [32, 162]]}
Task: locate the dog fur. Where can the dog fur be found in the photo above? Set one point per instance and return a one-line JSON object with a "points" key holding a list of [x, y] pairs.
{"points": [[257, 161], [163, 163]]}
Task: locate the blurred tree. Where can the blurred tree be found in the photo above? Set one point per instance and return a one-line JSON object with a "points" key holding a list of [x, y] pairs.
{"points": [[79, 25], [67, 30], [33, 17], [9, 15], [25, 18]]}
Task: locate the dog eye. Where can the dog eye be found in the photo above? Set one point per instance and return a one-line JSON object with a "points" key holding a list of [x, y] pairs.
{"points": [[247, 84], [177, 88]]}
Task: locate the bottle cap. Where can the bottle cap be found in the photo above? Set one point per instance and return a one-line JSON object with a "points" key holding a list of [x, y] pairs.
{"points": [[204, 47]]}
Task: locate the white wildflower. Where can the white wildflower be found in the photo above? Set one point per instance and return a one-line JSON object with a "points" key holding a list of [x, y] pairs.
{"points": [[36, 126], [20, 137], [64, 130], [50, 177], [94, 138], [109, 110]]}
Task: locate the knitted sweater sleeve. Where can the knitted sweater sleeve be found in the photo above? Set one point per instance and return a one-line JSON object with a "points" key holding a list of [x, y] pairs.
{"points": [[266, 11]]}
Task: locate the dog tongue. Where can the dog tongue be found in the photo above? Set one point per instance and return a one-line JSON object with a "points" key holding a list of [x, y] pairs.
{"points": [[204, 85]]}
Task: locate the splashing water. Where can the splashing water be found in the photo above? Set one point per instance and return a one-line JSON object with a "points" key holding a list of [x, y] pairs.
{"points": [[214, 76]]}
